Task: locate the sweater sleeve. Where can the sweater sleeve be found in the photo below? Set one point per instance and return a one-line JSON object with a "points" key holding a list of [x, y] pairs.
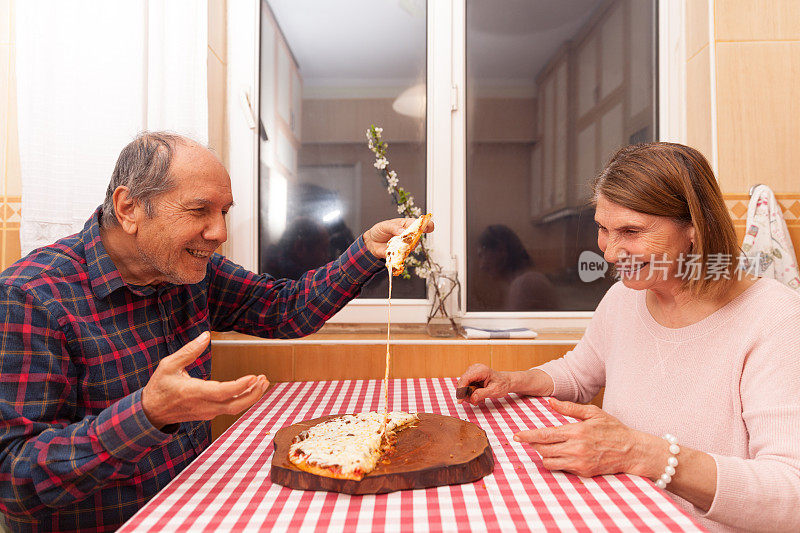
{"points": [[580, 374], [762, 492]]}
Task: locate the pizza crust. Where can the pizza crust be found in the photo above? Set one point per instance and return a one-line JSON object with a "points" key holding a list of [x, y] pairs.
{"points": [[327, 471]]}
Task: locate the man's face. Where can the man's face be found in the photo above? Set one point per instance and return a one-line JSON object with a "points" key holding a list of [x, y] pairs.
{"points": [[188, 222]]}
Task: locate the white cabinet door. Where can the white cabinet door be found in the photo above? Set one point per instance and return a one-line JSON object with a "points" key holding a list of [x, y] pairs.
{"points": [[548, 143], [283, 85], [586, 74], [560, 135], [297, 104], [586, 163], [612, 52], [536, 180]]}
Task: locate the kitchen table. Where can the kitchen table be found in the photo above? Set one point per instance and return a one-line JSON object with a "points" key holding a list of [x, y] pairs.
{"points": [[227, 488]]}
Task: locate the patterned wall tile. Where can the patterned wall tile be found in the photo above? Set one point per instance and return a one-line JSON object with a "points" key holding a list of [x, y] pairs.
{"points": [[790, 206], [10, 208]]}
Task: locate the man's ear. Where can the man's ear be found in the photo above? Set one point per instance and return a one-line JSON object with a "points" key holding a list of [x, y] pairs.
{"points": [[126, 210]]}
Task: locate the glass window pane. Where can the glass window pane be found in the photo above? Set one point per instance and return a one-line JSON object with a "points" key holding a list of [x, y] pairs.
{"points": [[328, 71], [553, 89]]}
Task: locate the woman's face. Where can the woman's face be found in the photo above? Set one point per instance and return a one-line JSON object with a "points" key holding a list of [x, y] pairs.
{"points": [[492, 260], [644, 249]]}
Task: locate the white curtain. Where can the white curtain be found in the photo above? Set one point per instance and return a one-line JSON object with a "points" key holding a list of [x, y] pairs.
{"points": [[90, 76]]}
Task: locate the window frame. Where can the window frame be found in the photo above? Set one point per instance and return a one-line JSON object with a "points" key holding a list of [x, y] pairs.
{"points": [[446, 150]]}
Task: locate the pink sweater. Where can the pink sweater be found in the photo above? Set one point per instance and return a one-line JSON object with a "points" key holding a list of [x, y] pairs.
{"points": [[728, 385]]}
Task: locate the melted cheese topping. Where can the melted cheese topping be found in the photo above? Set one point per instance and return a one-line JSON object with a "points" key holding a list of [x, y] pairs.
{"points": [[394, 252], [395, 247], [352, 442]]}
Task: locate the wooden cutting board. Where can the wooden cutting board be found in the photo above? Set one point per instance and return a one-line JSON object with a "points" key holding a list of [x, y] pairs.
{"points": [[440, 450]]}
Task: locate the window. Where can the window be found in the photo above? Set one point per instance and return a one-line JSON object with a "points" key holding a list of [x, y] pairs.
{"points": [[525, 101], [328, 71], [553, 89]]}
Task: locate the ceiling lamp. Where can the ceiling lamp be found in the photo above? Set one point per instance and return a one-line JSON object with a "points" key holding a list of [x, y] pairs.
{"points": [[411, 102]]}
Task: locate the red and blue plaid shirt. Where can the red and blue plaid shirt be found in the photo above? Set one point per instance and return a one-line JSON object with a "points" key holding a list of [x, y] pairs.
{"points": [[77, 346]]}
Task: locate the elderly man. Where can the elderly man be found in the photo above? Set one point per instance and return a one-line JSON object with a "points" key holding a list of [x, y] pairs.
{"points": [[104, 354]]}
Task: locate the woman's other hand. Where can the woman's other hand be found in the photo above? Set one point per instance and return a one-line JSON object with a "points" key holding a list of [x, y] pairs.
{"points": [[598, 444]]}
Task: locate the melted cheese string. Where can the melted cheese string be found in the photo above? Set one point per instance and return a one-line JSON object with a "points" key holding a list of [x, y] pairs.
{"points": [[388, 353]]}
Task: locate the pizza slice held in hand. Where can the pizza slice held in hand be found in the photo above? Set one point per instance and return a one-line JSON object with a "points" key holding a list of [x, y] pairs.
{"points": [[401, 245]]}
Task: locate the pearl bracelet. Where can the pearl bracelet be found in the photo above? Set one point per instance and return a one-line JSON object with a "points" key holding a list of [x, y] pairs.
{"points": [[672, 462]]}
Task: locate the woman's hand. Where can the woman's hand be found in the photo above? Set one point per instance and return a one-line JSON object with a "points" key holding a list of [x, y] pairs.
{"points": [[598, 444], [495, 384]]}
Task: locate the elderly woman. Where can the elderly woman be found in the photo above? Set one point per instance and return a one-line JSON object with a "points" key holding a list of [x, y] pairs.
{"points": [[701, 364]]}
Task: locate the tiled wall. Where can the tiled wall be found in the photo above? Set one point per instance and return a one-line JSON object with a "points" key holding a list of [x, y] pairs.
{"points": [[743, 74], [758, 93], [698, 77]]}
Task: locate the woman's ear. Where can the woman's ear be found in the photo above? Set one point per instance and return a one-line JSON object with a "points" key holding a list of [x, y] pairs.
{"points": [[690, 234]]}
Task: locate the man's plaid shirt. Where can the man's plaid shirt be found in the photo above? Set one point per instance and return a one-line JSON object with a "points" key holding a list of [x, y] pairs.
{"points": [[78, 344]]}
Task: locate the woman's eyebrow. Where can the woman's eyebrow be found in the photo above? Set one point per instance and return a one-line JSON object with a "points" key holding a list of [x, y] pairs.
{"points": [[624, 227]]}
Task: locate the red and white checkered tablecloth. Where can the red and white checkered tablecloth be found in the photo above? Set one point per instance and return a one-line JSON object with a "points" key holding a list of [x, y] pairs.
{"points": [[228, 487]]}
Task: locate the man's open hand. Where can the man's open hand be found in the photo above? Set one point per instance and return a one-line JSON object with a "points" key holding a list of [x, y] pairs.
{"points": [[378, 235], [172, 396]]}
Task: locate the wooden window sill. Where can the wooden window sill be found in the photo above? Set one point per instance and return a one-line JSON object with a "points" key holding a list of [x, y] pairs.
{"points": [[376, 334]]}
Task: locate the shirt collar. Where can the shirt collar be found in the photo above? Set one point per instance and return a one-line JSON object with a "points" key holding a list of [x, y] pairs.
{"points": [[103, 273]]}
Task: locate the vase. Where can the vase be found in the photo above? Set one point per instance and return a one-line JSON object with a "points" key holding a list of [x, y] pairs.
{"points": [[444, 315]]}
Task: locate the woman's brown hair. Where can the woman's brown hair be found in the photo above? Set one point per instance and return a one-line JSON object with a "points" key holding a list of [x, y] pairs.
{"points": [[675, 181]]}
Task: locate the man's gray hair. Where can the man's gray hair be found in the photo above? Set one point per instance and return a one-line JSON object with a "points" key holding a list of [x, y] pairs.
{"points": [[142, 167]]}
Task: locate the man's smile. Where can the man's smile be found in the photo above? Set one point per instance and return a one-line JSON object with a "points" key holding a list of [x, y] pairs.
{"points": [[199, 254]]}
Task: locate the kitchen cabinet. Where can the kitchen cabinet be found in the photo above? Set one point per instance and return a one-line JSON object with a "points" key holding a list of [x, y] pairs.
{"points": [[594, 96], [281, 100]]}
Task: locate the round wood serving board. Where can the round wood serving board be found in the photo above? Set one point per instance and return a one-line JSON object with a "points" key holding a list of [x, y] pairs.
{"points": [[439, 450]]}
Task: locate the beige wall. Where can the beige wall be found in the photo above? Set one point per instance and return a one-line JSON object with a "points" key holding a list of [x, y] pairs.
{"points": [[217, 77], [10, 187], [758, 93], [753, 50]]}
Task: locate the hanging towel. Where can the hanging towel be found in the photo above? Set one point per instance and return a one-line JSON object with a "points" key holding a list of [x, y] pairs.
{"points": [[767, 246]]}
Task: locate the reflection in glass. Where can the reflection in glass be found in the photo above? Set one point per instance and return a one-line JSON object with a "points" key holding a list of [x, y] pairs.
{"points": [[502, 256], [553, 89], [328, 71]]}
